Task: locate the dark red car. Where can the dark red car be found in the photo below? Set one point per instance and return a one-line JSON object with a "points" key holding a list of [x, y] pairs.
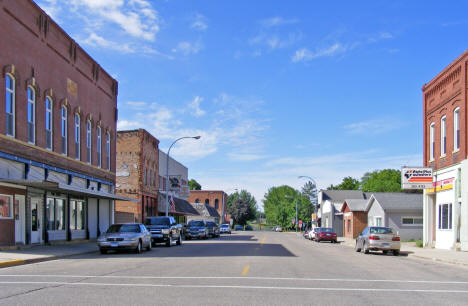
{"points": [[325, 234]]}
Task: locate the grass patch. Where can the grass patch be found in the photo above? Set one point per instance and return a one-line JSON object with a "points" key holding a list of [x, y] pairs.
{"points": [[419, 243]]}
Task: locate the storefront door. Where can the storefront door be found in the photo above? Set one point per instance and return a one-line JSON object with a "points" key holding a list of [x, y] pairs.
{"points": [[36, 220], [19, 214]]}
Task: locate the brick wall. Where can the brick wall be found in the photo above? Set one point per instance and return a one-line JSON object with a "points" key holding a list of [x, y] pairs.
{"points": [[40, 55], [441, 96], [211, 196]]}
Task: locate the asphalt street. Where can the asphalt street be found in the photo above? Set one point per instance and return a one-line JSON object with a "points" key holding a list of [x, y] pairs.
{"points": [[245, 268]]}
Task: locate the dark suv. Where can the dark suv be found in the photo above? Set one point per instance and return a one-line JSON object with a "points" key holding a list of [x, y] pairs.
{"points": [[196, 229], [164, 230], [213, 229]]}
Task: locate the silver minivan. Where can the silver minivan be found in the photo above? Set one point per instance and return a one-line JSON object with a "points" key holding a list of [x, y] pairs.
{"points": [[378, 238]]}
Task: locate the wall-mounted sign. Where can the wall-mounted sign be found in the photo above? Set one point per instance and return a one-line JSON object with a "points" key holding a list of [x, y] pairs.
{"points": [[416, 178], [441, 185]]}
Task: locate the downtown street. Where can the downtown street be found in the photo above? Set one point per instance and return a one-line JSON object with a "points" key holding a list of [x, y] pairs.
{"points": [[245, 268]]}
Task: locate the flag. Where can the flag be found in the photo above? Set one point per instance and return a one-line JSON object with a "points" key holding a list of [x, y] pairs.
{"points": [[172, 204]]}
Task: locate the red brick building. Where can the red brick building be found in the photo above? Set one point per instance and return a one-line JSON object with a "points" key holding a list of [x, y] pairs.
{"points": [[214, 198], [445, 150], [137, 175], [354, 217], [58, 119]]}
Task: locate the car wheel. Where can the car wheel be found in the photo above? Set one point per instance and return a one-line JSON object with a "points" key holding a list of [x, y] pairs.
{"points": [[365, 250], [179, 241], [188, 238], [356, 248], [103, 251], [169, 243], [150, 246], [396, 252], [138, 248]]}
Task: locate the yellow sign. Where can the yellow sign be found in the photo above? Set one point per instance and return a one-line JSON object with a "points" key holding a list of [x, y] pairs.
{"points": [[439, 188]]}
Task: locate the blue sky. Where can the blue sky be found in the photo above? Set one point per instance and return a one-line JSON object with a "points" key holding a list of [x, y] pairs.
{"points": [[276, 89]]}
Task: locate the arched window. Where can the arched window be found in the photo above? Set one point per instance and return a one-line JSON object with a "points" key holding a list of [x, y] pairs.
{"points": [[207, 201], [443, 137], [432, 141], [10, 105], [456, 129], [48, 122], [197, 200], [31, 115], [88, 141], [64, 122], [108, 148], [77, 136], [98, 146], [216, 203]]}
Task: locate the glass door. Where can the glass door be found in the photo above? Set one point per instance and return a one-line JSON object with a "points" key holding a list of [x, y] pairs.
{"points": [[20, 227], [36, 220]]}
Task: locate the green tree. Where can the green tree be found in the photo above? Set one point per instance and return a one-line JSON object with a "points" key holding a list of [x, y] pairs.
{"points": [[241, 211], [193, 184], [310, 190], [244, 195], [387, 180], [348, 183], [280, 206]]}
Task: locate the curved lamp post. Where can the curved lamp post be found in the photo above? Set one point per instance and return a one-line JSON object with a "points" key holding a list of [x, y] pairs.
{"points": [[167, 169]]}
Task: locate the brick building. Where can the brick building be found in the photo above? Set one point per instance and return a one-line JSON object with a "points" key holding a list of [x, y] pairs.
{"points": [[445, 150], [137, 175], [57, 132], [354, 217], [214, 198]]}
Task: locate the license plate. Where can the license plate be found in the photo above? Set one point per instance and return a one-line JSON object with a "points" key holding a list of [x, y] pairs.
{"points": [[114, 244], [328, 235], [157, 235], [385, 245]]}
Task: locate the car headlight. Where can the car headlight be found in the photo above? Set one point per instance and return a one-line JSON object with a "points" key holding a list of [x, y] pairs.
{"points": [[101, 239], [165, 231]]}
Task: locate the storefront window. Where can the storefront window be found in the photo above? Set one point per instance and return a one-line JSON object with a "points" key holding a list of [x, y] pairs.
{"points": [[5, 207], [445, 216], [77, 215], [55, 210]]}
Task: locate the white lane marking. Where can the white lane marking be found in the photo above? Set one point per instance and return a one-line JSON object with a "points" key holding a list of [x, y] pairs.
{"points": [[237, 277], [239, 287]]}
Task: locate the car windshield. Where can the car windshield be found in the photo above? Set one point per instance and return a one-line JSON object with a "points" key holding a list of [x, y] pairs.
{"points": [[157, 221], [210, 224], [224, 225], [381, 230], [124, 228], [196, 223], [325, 230]]}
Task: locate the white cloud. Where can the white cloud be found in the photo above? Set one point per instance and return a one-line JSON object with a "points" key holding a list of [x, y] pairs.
{"points": [[305, 54], [199, 23], [95, 40], [187, 48], [277, 21], [127, 125], [373, 127], [275, 40], [195, 106], [245, 156], [138, 105]]}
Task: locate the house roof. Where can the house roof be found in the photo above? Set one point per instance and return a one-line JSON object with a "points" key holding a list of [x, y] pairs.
{"points": [[356, 204], [205, 210], [342, 195], [399, 200]]}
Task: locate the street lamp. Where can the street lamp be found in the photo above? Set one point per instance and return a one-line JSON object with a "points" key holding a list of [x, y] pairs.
{"points": [[315, 183], [167, 169]]}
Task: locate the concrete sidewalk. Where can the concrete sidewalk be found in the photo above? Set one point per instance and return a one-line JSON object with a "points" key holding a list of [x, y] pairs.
{"points": [[44, 253], [410, 249]]}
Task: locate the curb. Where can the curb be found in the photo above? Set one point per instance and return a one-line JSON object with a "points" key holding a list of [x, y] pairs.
{"points": [[19, 262], [444, 261]]}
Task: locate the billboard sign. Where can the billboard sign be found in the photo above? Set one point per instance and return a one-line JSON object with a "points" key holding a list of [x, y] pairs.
{"points": [[416, 178]]}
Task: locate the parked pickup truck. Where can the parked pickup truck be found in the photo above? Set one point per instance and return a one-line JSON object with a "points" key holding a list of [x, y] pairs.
{"points": [[164, 230]]}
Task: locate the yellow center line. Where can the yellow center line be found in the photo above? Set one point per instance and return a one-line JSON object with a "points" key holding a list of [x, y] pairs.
{"points": [[246, 270]]}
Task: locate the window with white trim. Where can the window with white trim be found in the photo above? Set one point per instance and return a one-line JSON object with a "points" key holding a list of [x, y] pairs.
{"points": [[445, 216], [10, 105], [377, 221], [432, 141], [412, 220], [108, 159], [77, 136], [443, 137], [31, 115], [456, 129], [64, 122], [48, 123], [88, 141], [98, 146], [6, 202]]}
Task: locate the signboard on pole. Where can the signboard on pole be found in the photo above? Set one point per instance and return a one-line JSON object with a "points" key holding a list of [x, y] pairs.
{"points": [[293, 221], [416, 178]]}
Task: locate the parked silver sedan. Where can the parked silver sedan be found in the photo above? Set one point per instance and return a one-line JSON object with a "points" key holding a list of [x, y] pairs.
{"points": [[128, 236], [375, 238]]}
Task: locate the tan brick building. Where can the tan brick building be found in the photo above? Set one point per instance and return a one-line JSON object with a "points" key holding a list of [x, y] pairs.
{"points": [[137, 175], [214, 198]]}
